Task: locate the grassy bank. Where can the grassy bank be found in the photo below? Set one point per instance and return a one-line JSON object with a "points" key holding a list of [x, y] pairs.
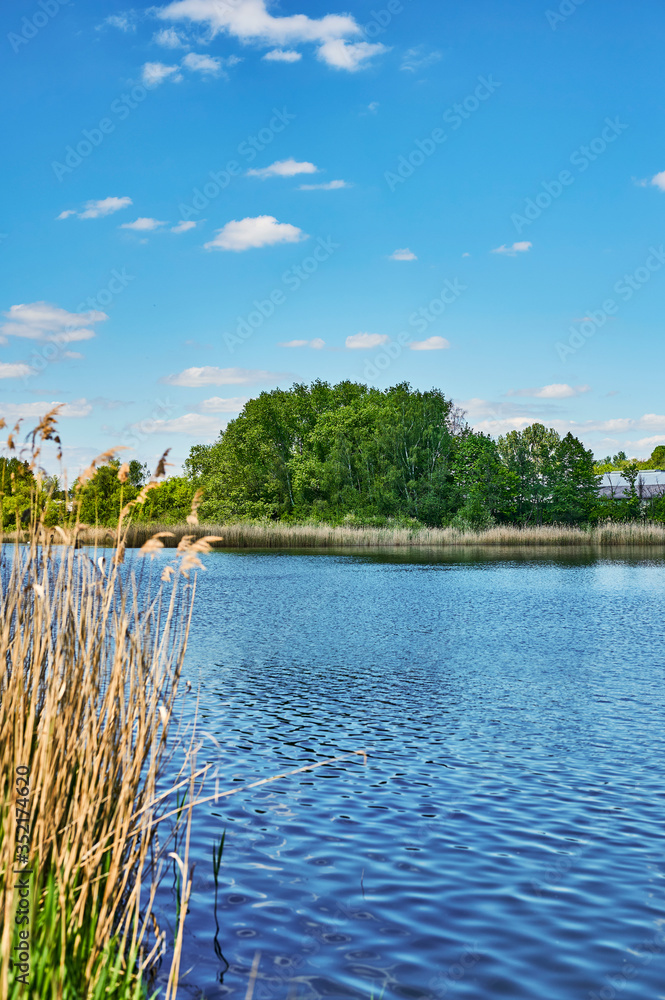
{"points": [[246, 535]]}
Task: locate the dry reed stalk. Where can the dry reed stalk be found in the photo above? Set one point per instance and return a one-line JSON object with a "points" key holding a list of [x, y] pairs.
{"points": [[90, 663], [302, 536], [252, 976], [88, 673], [90, 659]]}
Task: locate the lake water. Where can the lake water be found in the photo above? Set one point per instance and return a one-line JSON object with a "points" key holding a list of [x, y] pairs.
{"points": [[504, 839]]}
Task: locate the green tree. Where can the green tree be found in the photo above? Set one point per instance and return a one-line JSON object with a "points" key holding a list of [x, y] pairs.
{"points": [[326, 451], [573, 484], [17, 491], [102, 497], [657, 460], [530, 456], [168, 503], [483, 485]]}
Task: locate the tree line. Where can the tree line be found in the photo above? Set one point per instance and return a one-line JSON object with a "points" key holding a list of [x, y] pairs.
{"points": [[349, 453]]}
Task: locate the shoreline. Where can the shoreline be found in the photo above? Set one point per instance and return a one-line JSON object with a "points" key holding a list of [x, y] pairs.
{"points": [[248, 535]]}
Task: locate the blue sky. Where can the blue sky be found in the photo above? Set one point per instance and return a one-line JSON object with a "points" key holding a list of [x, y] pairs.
{"points": [[467, 196]]}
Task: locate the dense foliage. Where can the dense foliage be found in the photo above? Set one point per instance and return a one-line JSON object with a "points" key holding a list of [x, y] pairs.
{"points": [[19, 487], [620, 461], [349, 454], [101, 499], [326, 452], [352, 454]]}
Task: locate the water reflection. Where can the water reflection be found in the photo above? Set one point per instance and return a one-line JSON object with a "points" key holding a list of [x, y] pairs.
{"points": [[505, 837]]}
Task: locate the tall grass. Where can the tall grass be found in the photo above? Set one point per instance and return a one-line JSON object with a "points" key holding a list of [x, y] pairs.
{"points": [[302, 536], [90, 660]]}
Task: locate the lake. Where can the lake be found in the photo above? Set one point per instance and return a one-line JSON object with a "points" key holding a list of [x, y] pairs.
{"points": [[504, 839]]}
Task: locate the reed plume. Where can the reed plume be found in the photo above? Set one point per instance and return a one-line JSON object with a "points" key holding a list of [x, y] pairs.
{"points": [[90, 658]]}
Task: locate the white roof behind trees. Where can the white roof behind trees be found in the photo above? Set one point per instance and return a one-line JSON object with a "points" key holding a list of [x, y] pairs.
{"points": [[649, 483]]}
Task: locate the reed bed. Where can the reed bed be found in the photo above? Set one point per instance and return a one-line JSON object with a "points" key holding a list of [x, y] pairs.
{"points": [[247, 535], [88, 681], [90, 659], [91, 652]]}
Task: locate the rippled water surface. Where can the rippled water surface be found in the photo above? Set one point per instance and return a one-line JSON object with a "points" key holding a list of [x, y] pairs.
{"points": [[505, 838]]}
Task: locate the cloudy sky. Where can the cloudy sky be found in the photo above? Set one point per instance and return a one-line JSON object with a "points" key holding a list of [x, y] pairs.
{"points": [[215, 197]]}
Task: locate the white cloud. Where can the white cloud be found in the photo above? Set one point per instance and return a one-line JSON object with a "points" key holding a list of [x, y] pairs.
{"points": [[284, 168], [73, 355], [503, 417], [317, 344], [124, 22], [431, 344], [105, 206], [209, 375], [196, 424], [16, 370], [250, 22], [77, 409], [43, 321], [373, 107], [522, 247], [98, 209], [658, 180], [207, 65], [555, 391], [498, 426], [262, 231], [143, 225], [649, 442], [476, 407], [154, 73], [619, 424], [329, 186], [404, 254], [347, 55], [216, 404], [282, 55], [183, 227], [170, 39], [416, 58], [652, 421], [362, 340]]}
